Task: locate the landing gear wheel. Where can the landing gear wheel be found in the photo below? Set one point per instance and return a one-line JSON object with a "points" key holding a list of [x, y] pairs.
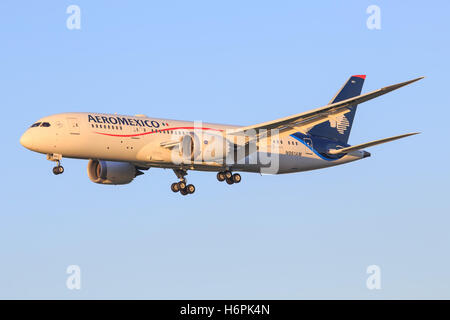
{"points": [[221, 176], [236, 178], [175, 187], [228, 174], [58, 170], [183, 192], [190, 188], [229, 181], [182, 185]]}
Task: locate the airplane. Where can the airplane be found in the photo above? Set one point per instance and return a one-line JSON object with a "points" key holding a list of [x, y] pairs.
{"points": [[119, 147]]}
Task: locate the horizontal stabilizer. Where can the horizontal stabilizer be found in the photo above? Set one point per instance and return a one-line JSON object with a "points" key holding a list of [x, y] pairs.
{"points": [[369, 144]]}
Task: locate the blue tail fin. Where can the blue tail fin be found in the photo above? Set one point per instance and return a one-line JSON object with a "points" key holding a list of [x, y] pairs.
{"points": [[339, 130]]}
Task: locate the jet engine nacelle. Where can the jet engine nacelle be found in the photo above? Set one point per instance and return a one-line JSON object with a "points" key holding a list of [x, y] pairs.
{"points": [[203, 147], [111, 172]]}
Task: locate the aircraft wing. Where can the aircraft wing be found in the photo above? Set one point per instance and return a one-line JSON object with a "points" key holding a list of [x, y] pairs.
{"points": [[304, 121], [369, 144]]}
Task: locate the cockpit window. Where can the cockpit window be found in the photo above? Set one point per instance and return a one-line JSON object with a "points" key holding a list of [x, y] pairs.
{"points": [[45, 124], [37, 124]]}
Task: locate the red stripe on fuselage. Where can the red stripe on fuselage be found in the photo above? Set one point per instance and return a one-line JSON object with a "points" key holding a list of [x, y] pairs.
{"points": [[145, 133]]}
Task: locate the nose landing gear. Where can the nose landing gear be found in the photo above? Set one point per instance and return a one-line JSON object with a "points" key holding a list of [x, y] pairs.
{"points": [[58, 169]]}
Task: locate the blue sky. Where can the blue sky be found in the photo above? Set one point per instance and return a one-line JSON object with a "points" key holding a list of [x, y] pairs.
{"points": [[305, 235]]}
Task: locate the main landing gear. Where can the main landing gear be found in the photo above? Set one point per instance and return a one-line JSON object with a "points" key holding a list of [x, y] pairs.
{"points": [[229, 177], [182, 185], [58, 169]]}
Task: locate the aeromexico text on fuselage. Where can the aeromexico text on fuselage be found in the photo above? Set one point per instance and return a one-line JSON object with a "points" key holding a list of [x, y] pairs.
{"points": [[115, 120]]}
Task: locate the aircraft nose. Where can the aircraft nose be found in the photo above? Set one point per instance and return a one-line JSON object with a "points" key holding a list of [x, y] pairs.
{"points": [[26, 140]]}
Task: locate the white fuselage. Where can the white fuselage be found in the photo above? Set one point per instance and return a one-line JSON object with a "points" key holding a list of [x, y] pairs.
{"points": [[139, 139]]}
